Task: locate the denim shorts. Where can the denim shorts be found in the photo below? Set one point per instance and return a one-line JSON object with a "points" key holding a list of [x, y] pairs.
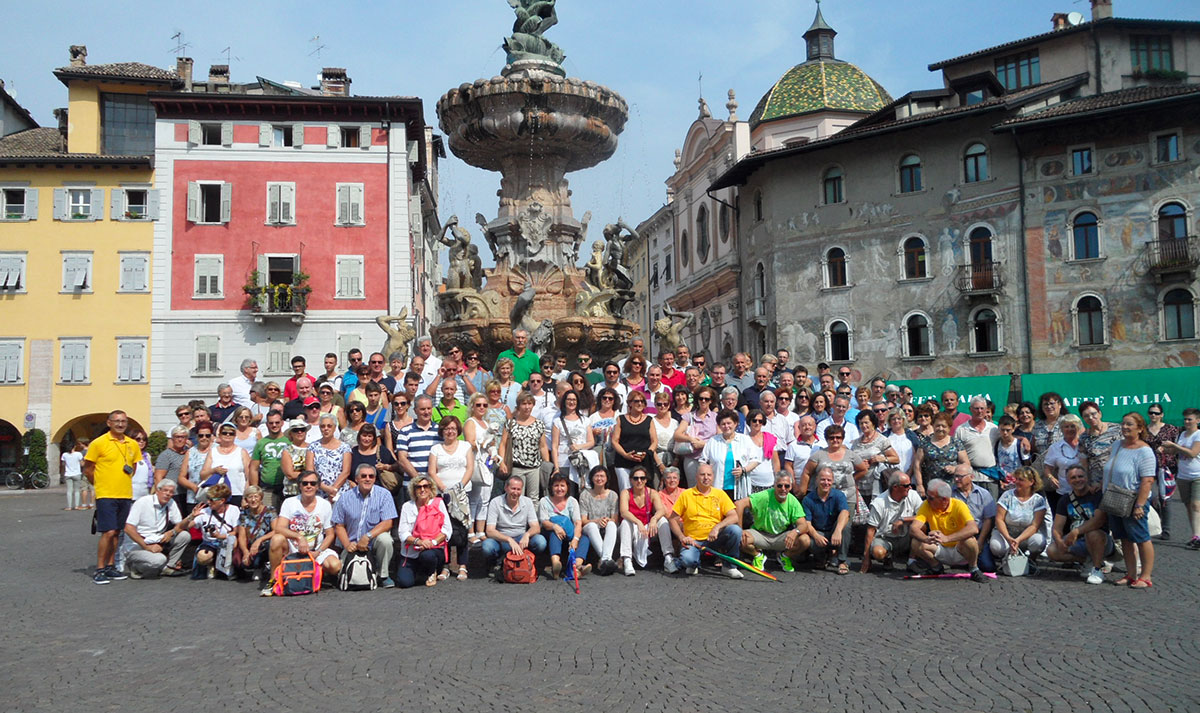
{"points": [[111, 514], [1079, 549], [1134, 529]]}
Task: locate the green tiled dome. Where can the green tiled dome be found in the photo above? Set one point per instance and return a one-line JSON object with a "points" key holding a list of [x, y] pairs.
{"points": [[820, 85]]}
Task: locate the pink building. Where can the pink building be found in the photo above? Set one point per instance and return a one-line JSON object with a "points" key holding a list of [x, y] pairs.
{"points": [[292, 219]]}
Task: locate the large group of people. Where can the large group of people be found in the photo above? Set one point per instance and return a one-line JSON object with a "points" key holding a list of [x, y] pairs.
{"points": [[618, 466]]}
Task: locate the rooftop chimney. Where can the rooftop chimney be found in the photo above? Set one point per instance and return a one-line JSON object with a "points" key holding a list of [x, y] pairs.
{"points": [[1101, 10], [61, 115], [218, 74], [334, 82], [183, 69], [78, 55]]}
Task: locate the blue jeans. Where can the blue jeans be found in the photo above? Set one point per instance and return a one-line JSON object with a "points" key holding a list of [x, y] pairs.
{"points": [[556, 544], [417, 569], [987, 561], [494, 549], [729, 542]]}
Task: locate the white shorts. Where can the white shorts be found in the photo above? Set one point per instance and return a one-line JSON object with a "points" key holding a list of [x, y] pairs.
{"points": [[319, 557], [949, 555]]}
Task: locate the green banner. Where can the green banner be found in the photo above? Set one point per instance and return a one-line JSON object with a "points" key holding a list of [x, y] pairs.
{"points": [[993, 388], [1119, 392]]}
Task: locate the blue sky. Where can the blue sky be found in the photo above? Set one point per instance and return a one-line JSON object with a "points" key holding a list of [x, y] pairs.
{"points": [[650, 52]]}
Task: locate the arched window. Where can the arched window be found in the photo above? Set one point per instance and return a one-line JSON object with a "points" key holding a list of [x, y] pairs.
{"points": [[723, 222], [760, 339], [1089, 320], [914, 259], [985, 331], [685, 248], [983, 269], [760, 281], [832, 185], [910, 173], [702, 241], [916, 338], [835, 268], [1172, 222], [975, 163], [1179, 315], [758, 206], [1086, 230], [838, 345]]}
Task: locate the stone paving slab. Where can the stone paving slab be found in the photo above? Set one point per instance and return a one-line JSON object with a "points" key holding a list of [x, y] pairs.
{"points": [[653, 642]]}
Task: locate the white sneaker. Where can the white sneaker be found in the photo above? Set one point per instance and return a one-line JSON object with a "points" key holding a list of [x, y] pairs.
{"points": [[734, 573], [670, 566], [693, 571], [1096, 576], [1107, 567], [628, 567]]}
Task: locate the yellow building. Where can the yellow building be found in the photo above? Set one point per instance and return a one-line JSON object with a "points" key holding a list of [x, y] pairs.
{"points": [[77, 208]]}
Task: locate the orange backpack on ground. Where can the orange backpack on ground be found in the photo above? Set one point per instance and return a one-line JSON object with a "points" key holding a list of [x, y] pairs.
{"points": [[519, 569]]}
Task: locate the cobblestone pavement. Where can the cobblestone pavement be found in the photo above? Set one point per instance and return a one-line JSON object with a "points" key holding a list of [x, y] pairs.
{"points": [[815, 642]]}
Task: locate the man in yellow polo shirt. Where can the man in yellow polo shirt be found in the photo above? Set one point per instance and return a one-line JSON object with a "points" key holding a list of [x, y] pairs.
{"points": [[108, 466], [944, 531], [704, 515]]}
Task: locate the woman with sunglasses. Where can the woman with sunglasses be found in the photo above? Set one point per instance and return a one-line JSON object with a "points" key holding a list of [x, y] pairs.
{"points": [[247, 434], [570, 435], [400, 418], [783, 408], [294, 456], [485, 445], [923, 428], [227, 461], [474, 376], [768, 445], [356, 416], [329, 405], [1160, 434], [694, 430], [579, 384], [305, 526], [643, 515], [802, 404], [633, 440], [635, 373], [143, 471], [665, 425], [330, 457], [602, 420], [189, 474]]}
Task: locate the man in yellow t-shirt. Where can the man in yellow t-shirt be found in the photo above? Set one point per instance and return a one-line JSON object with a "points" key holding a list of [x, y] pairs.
{"points": [[704, 515], [943, 532], [108, 466]]}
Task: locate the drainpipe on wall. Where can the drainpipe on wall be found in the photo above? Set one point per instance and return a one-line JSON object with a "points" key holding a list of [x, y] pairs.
{"points": [[1024, 255]]}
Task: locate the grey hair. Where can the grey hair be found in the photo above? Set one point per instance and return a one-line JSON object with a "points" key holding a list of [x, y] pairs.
{"points": [[180, 431], [363, 466], [423, 397], [893, 476], [670, 469], [395, 356], [939, 488], [247, 363], [251, 490], [843, 398], [223, 385], [730, 390], [422, 339], [520, 330], [259, 389], [783, 475], [327, 416], [165, 483], [978, 400]]}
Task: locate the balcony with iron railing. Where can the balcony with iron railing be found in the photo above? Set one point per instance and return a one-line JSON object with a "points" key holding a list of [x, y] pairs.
{"points": [[278, 300], [1173, 256], [979, 279]]}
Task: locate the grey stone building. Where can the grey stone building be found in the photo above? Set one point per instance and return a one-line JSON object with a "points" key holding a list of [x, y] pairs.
{"points": [[1033, 213]]}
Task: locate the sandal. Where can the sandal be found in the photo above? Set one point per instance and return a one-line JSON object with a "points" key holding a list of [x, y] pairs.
{"points": [[1125, 581], [444, 574], [1141, 584], [433, 579], [462, 573], [843, 568]]}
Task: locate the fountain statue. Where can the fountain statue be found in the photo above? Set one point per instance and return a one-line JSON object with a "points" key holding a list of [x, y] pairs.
{"points": [[533, 125]]}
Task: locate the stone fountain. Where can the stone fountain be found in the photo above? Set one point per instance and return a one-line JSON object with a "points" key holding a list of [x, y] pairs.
{"points": [[534, 125]]}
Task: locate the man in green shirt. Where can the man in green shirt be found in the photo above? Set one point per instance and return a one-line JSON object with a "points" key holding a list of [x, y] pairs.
{"points": [[264, 461], [779, 524], [525, 362]]}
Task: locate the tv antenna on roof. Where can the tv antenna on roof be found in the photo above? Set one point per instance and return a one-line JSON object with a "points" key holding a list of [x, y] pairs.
{"points": [[229, 55], [180, 45], [316, 39]]}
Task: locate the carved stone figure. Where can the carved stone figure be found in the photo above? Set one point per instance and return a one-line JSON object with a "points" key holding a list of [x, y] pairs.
{"points": [[615, 237], [475, 265], [459, 275], [670, 334], [533, 18], [519, 316], [535, 230], [400, 334], [596, 275]]}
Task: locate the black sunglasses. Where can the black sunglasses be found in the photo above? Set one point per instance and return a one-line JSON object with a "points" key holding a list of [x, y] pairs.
{"points": [[309, 483]]}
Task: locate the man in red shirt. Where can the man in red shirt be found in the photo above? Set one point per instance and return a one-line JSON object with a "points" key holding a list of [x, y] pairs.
{"points": [[670, 375], [289, 387]]}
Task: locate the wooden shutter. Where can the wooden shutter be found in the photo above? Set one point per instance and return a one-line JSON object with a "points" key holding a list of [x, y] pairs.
{"points": [[10, 362], [265, 133], [193, 202], [333, 136], [152, 204], [133, 273], [60, 204], [356, 204], [31, 204], [343, 205], [227, 133], [226, 201], [194, 133], [287, 203], [96, 209], [297, 135], [206, 353], [116, 209], [10, 272], [73, 366], [364, 136], [130, 360], [350, 277], [272, 203]]}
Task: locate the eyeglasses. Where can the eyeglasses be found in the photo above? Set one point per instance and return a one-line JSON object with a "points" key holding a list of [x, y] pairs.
{"points": [[366, 475], [611, 371], [272, 388], [662, 403], [843, 373], [880, 410], [203, 435], [904, 486], [636, 478], [758, 420], [835, 438], [454, 350], [308, 484], [376, 361], [400, 404], [606, 398], [1155, 413], [802, 398], [704, 398], [423, 486]]}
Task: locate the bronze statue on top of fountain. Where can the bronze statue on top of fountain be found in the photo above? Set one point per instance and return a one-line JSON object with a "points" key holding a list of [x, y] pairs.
{"points": [[459, 276], [526, 42]]}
